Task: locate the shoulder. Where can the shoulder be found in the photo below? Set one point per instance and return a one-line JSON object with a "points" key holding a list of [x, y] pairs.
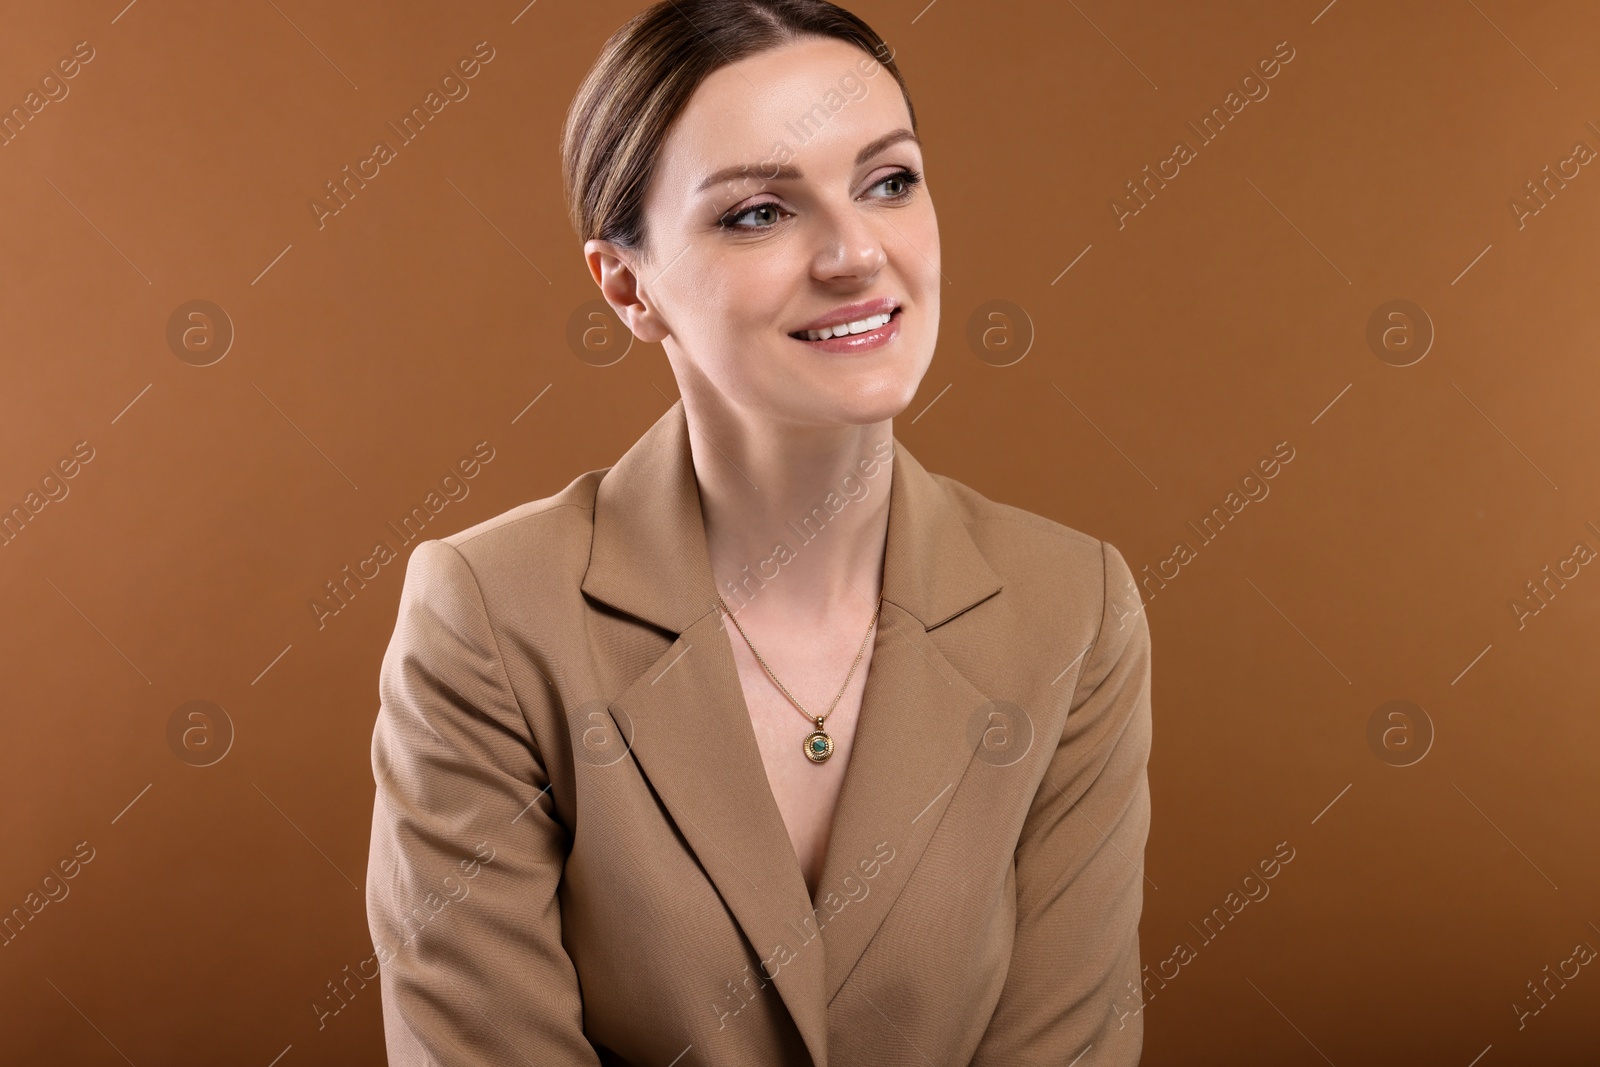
{"points": [[521, 569], [521, 554], [1065, 582], [1063, 577], [556, 526], [1012, 537]]}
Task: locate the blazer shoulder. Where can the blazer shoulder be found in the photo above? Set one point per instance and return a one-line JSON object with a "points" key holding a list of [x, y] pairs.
{"points": [[998, 526], [1066, 580], [1063, 572], [564, 519]]}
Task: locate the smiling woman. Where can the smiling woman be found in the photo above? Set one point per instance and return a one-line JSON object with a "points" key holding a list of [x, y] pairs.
{"points": [[947, 695]]}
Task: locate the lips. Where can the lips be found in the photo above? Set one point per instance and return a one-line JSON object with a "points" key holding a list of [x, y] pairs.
{"points": [[849, 344], [848, 313]]}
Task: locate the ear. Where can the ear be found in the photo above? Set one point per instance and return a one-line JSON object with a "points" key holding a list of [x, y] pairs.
{"points": [[615, 271]]}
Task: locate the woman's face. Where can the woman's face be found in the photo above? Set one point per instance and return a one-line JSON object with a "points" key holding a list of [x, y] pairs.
{"points": [[826, 213]]}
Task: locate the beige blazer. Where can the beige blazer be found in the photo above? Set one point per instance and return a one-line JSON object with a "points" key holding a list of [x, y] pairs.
{"points": [[576, 856]]}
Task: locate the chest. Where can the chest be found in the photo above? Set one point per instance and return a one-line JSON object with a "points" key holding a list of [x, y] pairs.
{"points": [[806, 792]]}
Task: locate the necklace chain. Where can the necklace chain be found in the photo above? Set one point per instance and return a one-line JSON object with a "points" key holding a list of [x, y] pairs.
{"points": [[825, 745]]}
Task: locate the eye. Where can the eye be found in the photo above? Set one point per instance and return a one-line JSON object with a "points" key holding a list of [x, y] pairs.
{"points": [[907, 177], [730, 221]]}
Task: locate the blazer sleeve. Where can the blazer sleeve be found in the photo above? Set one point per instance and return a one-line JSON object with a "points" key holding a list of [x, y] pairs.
{"points": [[466, 851], [1073, 985]]}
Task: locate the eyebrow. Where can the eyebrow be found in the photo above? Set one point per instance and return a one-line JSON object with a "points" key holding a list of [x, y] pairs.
{"points": [[786, 172]]}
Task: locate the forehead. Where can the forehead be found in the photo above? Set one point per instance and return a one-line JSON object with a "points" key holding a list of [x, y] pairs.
{"points": [[815, 100]]}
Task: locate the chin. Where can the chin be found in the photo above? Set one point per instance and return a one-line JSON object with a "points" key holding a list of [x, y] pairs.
{"points": [[861, 404]]}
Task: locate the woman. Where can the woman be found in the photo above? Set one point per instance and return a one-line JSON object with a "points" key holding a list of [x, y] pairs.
{"points": [[896, 813]]}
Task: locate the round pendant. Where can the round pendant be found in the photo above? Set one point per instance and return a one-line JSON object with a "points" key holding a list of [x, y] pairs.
{"points": [[818, 746]]}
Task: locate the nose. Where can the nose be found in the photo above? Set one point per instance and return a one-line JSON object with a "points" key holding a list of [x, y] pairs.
{"points": [[850, 243]]}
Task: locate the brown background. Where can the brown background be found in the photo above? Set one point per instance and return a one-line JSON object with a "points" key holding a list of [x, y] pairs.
{"points": [[1230, 314]]}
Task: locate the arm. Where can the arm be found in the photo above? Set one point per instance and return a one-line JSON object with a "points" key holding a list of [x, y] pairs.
{"points": [[1073, 986], [466, 851]]}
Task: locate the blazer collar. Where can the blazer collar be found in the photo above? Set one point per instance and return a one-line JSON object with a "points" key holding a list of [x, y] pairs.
{"points": [[649, 555], [689, 728]]}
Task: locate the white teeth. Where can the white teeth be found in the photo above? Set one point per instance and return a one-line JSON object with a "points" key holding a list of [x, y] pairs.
{"points": [[872, 322]]}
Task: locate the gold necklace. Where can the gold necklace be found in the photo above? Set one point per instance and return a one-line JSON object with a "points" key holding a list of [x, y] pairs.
{"points": [[817, 745]]}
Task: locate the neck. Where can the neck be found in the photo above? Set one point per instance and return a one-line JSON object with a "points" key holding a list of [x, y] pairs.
{"points": [[796, 515]]}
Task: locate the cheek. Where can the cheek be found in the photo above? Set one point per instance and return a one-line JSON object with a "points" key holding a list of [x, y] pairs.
{"points": [[744, 298], [731, 318], [926, 231], [915, 257], [702, 300]]}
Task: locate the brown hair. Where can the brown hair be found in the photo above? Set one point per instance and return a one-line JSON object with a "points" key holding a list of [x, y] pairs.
{"points": [[644, 77]]}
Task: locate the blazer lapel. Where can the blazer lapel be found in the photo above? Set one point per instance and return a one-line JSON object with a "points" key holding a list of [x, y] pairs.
{"points": [[693, 739], [921, 718]]}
